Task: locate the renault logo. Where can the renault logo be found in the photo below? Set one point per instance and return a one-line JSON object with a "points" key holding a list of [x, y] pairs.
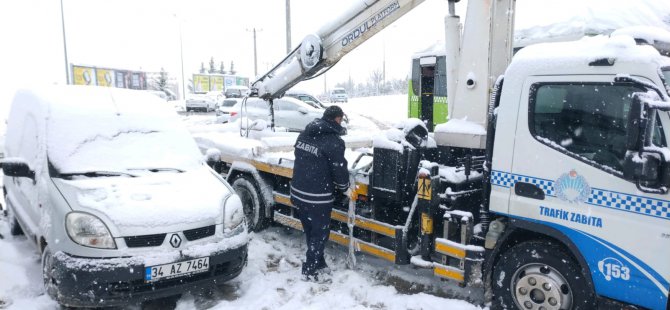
{"points": [[175, 241]]}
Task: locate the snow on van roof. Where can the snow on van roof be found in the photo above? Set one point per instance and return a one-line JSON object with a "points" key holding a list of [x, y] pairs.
{"points": [[108, 129]]}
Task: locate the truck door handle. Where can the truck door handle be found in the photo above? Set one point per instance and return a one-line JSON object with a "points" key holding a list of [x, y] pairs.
{"points": [[528, 190]]}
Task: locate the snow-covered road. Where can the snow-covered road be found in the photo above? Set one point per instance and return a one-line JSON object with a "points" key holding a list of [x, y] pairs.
{"points": [[271, 280]]}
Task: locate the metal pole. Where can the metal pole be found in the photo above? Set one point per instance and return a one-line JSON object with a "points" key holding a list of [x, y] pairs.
{"points": [[181, 56], [255, 55], [67, 66], [288, 26]]}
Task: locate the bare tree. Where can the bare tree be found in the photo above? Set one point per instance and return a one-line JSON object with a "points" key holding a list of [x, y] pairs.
{"points": [[376, 78]]}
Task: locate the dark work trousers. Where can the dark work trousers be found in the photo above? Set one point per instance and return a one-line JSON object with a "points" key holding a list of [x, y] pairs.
{"points": [[315, 221]]}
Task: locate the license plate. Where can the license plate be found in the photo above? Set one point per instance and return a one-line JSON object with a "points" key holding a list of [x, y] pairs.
{"points": [[174, 270]]}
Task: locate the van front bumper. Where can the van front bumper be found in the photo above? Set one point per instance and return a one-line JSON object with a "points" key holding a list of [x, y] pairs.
{"points": [[82, 282]]}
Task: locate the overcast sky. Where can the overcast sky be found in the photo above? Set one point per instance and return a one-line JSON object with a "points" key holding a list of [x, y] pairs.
{"points": [[144, 34]]}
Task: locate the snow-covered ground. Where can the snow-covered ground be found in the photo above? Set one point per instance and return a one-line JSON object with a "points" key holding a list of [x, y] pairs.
{"points": [[272, 280]]}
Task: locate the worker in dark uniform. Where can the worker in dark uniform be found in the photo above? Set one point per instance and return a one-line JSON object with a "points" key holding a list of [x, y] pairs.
{"points": [[320, 173]]}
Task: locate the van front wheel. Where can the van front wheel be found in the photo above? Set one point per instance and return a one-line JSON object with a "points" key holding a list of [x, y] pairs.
{"points": [[50, 284]]}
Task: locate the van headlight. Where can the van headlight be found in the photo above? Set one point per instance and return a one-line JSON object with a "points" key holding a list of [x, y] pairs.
{"points": [[88, 230], [233, 212]]}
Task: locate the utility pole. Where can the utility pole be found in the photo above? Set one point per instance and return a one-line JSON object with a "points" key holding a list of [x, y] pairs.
{"points": [[181, 56], [67, 65], [255, 54], [288, 26]]}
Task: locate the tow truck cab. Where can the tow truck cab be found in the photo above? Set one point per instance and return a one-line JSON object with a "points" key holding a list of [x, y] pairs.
{"points": [[565, 144]]}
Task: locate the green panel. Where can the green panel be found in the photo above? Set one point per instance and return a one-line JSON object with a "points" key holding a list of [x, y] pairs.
{"points": [[414, 105], [440, 110]]}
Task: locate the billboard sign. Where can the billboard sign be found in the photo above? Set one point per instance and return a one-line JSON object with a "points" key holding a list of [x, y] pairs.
{"points": [[83, 75], [105, 77], [200, 83], [216, 83]]}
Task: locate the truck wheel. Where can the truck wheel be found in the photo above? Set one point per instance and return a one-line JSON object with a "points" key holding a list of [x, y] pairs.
{"points": [[539, 275], [252, 202], [50, 284], [14, 226]]}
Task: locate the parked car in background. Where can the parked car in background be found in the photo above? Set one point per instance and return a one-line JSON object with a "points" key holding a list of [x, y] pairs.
{"points": [[200, 102], [117, 198], [305, 97], [226, 109], [236, 91], [216, 96], [338, 95], [290, 113]]}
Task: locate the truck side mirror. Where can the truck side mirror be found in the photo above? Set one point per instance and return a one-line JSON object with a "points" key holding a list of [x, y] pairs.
{"points": [[636, 125], [17, 167]]}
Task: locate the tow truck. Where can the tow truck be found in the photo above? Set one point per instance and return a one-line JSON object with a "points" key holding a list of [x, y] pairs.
{"points": [[548, 184]]}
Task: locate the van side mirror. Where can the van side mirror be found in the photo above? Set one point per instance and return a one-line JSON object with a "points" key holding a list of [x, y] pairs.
{"points": [[213, 159], [18, 168]]}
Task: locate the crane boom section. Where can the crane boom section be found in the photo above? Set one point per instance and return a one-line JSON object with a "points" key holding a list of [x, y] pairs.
{"points": [[320, 51]]}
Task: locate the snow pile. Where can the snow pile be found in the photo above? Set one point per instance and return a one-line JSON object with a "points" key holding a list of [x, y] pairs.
{"points": [[152, 202], [545, 57], [462, 126], [545, 21], [395, 138], [647, 33]]}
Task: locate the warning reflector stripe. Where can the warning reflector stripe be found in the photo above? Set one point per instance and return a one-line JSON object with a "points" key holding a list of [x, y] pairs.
{"points": [[340, 216], [449, 250], [448, 272]]}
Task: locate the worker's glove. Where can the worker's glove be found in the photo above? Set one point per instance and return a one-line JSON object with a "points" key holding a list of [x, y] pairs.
{"points": [[341, 198], [348, 193]]}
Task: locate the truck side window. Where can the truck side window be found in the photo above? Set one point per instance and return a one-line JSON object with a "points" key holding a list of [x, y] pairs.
{"points": [[586, 120]]}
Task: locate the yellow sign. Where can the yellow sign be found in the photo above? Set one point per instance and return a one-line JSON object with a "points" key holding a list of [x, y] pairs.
{"points": [[216, 83], [424, 191], [200, 83], [426, 224], [105, 77], [83, 75]]}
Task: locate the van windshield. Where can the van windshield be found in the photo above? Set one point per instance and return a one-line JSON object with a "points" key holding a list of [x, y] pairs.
{"points": [[339, 91], [118, 143]]}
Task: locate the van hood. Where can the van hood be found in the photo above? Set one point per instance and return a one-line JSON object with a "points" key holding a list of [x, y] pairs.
{"points": [[152, 202]]}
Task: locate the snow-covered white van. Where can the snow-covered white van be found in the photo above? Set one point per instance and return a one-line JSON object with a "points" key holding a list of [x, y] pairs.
{"points": [[117, 197]]}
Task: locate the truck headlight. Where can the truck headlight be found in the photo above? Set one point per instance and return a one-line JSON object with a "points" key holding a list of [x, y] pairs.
{"points": [[233, 212], [88, 230]]}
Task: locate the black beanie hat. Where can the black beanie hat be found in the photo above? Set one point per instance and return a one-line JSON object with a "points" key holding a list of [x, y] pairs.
{"points": [[332, 112]]}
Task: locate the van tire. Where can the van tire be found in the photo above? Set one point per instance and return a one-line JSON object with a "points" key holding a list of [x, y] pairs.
{"points": [[542, 262], [14, 226], [50, 284], [252, 202]]}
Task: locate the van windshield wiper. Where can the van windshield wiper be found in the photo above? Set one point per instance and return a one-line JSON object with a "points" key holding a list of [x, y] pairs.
{"points": [[95, 174], [159, 169]]}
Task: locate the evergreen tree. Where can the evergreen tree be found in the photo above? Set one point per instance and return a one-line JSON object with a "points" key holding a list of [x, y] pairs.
{"points": [[232, 67], [222, 69], [211, 65], [161, 80], [202, 68]]}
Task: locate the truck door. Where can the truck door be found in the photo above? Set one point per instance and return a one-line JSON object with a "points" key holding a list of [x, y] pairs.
{"points": [[567, 174], [427, 89]]}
